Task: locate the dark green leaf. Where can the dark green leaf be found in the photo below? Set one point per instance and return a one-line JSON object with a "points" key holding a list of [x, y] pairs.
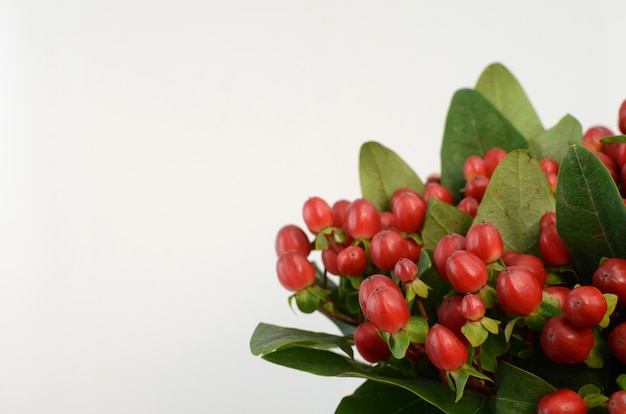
{"points": [[382, 172], [554, 142], [519, 390], [591, 218], [517, 196], [443, 218], [473, 126], [501, 88], [268, 338], [613, 139]]}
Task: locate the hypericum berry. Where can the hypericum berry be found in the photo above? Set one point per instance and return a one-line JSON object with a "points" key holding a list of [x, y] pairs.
{"points": [[409, 212], [295, 272], [362, 219], [559, 293], [532, 263], [610, 277], [621, 118], [386, 248], [447, 245], [492, 159], [473, 307], [548, 218], [292, 237], [399, 192], [562, 401], [518, 291], [438, 192], [370, 284], [476, 186], [369, 344], [610, 165], [593, 135], [339, 211], [352, 261], [474, 166], [468, 205], [617, 402], [549, 165], [564, 343], [485, 241], [317, 214], [466, 272], [415, 249], [552, 181], [386, 308], [585, 306], [449, 314], [617, 342], [553, 250], [405, 270], [329, 260], [387, 221], [444, 349]]}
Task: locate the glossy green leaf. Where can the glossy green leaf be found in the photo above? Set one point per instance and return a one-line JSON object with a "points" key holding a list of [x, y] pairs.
{"points": [[518, 390], [443, 218], [502, 89], [614, 139], [517, 196], [473, 126], [381, 172], [591, 218], [554, 142], [378, 398]]}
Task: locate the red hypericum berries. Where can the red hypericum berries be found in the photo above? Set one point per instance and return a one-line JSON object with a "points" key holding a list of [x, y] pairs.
{"points": [[387, 221], [610, 165], [317, 214], [530, 262], [329, 259], [369, 344], [295, 272], [474, 166], [492, 159], [476, 186], [409, 212], [610, 277], [468, 205], [466, 272], [447, 245], [563, 401], [617, 402], [559, 293], [518, 291], [485, 241], [362, 219], [449, 314], [415, 249], [386, 248], [564, 343], [548, 218], [473, 307], [617, 342], [621, 118], [352, 261], [553, 250], [549, 165], [397, 193], [339, 211], [292, 237], [405, 270], [444, 349], [370, 284], [438, 192], [585, 306], [593, 135], [386, 308]]}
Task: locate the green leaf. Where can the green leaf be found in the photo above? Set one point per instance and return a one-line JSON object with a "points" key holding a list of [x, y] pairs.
{"points": [[475, 333], [443, 218], [554, 142], [376, 398], [588, 389], [382, 172], [611, 304], [595, 400], [417, 328], [398, 343], [494, 347], [621, 381], [268, 338], [519, 390], [501, 88], [614, 139], [473, 126], [517, 196], [591, 218]]}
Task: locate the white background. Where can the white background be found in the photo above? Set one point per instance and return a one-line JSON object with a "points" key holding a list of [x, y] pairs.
{"points": [[150, 150]]}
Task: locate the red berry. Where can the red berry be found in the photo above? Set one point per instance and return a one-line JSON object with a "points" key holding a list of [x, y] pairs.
{"points": [[549, 165], [529, 262], [564, 343], [444, 349], [559, 292], [405, 270], [409, 212], [386, 248], [610, 277], [621, 118], [476, 186], [492, 159], [617, 342], [339, 211], [552, 181], [415, 249], [563, 401], [617, 402], [466, 272], [370, 284], [548, 218], [397, 193], [585, 306], [468, 205], [386, 308], [438, 192], [553, 250], [518, 291], [369, 344], [610, 165], [352, 261], [484, 240], [317, 214], [473, 307], [387, 221], [294, 271], [362, 219], [594, 134], [292, 237], [329, 259], [474, 166], [449, 314], [447, 245]]}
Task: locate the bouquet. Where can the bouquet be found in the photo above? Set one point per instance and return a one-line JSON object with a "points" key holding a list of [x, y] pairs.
{"points": [[495, 286]]}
